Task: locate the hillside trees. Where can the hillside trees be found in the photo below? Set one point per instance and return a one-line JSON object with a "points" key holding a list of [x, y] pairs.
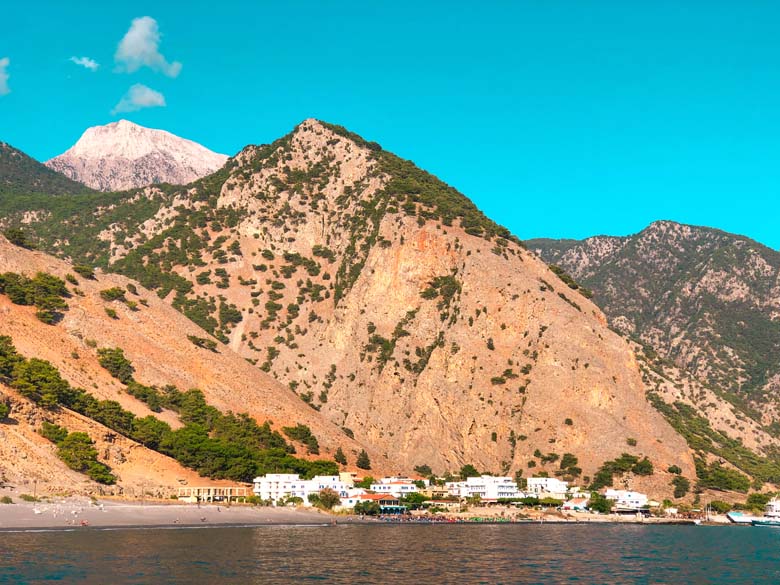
{"points": [[223, 446]]}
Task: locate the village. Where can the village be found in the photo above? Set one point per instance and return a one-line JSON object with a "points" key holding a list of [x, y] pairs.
{"points": [[398, 495]]}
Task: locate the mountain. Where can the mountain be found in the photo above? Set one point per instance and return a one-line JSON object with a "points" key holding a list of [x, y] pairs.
{"points": [[82, 315], [23, 175], [703, 298], [123, 155], [385, 302]]}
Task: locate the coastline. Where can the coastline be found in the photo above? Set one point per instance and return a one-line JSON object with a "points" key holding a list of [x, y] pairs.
{"points": [[72, 513], [83, 513]]}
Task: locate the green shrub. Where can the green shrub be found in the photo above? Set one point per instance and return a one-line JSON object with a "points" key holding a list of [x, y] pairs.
{"points": [[85, 271], [624, 463], [758, 500], [18, 238], [203, 342], [303, 434], [719, 506], [715, 476], [113, 294], [78, 452], [116, 363], [681, 486], [599, 503], [643, 467], [44, 291]]}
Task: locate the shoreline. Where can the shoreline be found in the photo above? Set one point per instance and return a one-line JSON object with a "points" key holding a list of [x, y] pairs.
{"points": [[77, 513]]}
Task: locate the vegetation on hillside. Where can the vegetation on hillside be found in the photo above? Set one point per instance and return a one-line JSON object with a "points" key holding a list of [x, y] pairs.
{"points": [[214, 444], [23, 175], [702, 297], [704, 440], [43, 291], [78, 452]]}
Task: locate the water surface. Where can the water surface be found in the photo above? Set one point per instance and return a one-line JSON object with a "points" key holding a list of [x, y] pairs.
{"points": [[519, 553]]}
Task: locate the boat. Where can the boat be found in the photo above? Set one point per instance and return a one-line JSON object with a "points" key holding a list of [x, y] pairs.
{"points": [[766, 522], [771, 514], [772, 508]]}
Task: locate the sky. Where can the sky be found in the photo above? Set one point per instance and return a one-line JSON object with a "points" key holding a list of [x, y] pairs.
{"points": [[559, 119]]}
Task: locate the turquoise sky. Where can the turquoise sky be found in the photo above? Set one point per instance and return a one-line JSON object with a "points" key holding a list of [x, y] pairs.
{"points": [[558, 118]]}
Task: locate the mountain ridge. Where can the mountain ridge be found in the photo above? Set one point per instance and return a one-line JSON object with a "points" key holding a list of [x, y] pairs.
{"points": [[23, 175], [700, 284]]}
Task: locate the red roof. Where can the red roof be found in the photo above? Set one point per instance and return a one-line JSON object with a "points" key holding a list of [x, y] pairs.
{"points": [[376, 497]]}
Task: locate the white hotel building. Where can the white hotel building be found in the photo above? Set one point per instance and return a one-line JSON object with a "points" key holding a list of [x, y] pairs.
{"points": [[276, 486], [487, 487], [626, 500], [395, 486], [547, 487]]}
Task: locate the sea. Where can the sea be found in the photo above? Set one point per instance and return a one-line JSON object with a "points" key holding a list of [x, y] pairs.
{"points": [[395, 554]]}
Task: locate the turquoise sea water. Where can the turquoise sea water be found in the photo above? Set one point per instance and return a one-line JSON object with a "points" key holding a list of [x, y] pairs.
{"points": [[396, 554]]}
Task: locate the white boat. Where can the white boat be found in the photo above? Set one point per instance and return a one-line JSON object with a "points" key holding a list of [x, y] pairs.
{"points": [[772, 508], [771, 515], [766, 522]]}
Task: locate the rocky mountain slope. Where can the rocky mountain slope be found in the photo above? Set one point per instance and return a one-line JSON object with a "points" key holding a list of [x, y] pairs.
{"points": [[163, 347], [23, 175], [385, 300], [705, 299], [123, 155]]}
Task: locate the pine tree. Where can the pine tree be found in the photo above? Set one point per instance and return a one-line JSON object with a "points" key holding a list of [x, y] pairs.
{"points": [[363, 462], [339, 457]]}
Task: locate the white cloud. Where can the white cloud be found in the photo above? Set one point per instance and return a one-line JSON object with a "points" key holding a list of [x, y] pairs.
{"points": [[138, 97], [140, 48], [85, 62], [4, 63]]}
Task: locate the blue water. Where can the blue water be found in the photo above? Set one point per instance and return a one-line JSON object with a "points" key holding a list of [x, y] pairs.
{"points": [[396, 554]]}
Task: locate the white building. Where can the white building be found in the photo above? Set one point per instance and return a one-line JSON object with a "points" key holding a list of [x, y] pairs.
{"points": [[277, 486], [547, 487], [395, 486], [350, 499], [487, 487], [575, 505], [626, 500]]}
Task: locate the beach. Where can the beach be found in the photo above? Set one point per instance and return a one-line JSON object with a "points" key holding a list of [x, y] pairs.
{"points": [[82, 512]]}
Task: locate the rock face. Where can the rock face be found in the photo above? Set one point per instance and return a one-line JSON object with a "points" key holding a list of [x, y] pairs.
{"points": [[706, 299], [384, 299], [123, 155]]}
